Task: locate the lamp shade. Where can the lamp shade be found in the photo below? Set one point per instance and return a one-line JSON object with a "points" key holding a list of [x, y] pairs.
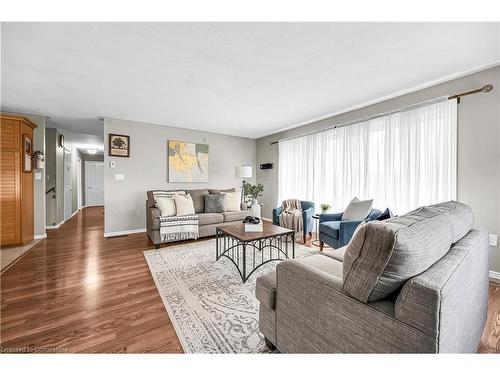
{"points": [[243, 171]]}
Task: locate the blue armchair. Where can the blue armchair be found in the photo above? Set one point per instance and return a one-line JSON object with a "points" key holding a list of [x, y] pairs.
{"points": [[307, 214], [337, 233]]}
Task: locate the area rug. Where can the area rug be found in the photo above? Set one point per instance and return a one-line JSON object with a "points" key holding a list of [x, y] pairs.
{"points": [[211, 310]]}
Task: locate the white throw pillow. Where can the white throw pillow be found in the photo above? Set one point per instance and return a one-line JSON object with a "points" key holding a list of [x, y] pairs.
{"points": [[184, 205], [232, 201], [166, 206], [357, 210]]}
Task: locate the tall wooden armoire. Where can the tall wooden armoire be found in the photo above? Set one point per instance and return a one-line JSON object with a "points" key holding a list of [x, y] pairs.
{"points": [[16, 179]]}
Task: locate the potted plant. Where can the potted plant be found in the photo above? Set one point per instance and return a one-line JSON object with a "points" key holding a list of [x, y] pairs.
{"points": [[253, 191], [324, 207]]}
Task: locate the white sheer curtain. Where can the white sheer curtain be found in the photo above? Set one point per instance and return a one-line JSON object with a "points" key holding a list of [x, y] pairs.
{"points": [[402, 160]]}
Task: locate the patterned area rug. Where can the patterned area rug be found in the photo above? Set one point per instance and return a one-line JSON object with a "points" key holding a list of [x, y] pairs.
{"points": [[211, 309]]}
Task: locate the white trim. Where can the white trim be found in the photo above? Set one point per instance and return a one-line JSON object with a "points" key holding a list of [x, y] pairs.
{"points": [[267, 219], [124, 232], [40, 236], [55, 226], [387, 97], [495, 275], [73, 214]]}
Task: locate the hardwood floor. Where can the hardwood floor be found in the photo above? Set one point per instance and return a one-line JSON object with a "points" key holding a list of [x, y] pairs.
{"points": [[78, 292]]}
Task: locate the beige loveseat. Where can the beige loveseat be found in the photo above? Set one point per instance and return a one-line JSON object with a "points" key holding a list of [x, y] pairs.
{"points": [[207, 221]]}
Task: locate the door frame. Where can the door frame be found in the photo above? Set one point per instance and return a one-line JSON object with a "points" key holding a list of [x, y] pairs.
{"points": [[79, 201], [66, 153], [89, 162]]}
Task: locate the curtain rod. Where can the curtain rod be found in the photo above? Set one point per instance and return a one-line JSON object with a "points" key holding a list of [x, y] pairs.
{"points": [[484, 89]]}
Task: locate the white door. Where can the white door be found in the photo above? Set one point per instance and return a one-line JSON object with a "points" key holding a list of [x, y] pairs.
{"points": [[68, 196], [94, 183], [79, 182]]}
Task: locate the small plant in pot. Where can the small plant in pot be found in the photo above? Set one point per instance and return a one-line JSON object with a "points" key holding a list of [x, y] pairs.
{"points": [[253, 191], [324, 208]]}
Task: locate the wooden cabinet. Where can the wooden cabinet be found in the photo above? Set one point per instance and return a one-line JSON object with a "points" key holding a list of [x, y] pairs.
{"points": [[16, 185]]}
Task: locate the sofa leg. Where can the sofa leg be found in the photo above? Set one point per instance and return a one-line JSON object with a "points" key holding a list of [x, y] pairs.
{"points": [[269, 344], [320, 245], [157, 246]]}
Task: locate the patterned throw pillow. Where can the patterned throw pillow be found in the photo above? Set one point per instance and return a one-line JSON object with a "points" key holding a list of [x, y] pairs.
{"points": [[214, 203], [232, 201], [184, 205]]}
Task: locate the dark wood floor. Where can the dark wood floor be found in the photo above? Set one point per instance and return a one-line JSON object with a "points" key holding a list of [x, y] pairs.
{"points": [[78, 292]]}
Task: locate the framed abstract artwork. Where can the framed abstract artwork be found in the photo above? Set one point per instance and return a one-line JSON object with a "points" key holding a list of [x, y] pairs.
{"points": [[187, 162], [119, 145]]}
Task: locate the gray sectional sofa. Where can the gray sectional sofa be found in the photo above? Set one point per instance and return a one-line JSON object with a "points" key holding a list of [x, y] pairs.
{"points": [[417, 283], [207, 221]]}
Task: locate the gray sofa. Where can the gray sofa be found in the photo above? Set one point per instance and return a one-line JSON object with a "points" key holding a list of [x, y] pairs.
{"points": [[207, 221], [416, 283]]}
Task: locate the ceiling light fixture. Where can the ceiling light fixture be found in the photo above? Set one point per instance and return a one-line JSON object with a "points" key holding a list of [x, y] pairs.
{"points": [[92, 152]]}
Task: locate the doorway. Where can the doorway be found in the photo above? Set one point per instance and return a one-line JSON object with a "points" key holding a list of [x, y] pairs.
{"points": [[68, 195], [94, 183]]}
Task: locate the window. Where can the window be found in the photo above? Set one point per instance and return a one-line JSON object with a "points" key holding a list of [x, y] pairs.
{"points": [[403, 160]]}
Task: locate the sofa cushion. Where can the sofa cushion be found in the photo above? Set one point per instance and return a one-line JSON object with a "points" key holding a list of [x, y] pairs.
{"points": [[236, 215], [183, 205], [209, 218], [357, 210], [214, 203], [383, 255], [330, 228], [232, 201], [198, 201], [337, 254], [324, 263], [166, 206], [265, 289], [218, 191]]}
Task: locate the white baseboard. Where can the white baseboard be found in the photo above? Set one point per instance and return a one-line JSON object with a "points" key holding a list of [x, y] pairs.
{"points": [[495, 275], [40, 236], [124, 232], [267, 219], [55, 226], [73, 214]]}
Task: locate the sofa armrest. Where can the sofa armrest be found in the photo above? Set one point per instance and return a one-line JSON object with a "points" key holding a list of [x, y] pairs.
{"points": [[307, 219], [314, 314], [330, 217], [346, 231], [276, 214], [151, 214]]}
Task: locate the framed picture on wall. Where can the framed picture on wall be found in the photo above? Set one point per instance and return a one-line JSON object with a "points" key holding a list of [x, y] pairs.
{"points": [[27, 151], [187, 162], [119, 145]]}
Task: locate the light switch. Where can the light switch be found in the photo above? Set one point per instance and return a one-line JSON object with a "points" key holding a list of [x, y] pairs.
{"points": [[119, 177], [38, 176], [493, 240]]}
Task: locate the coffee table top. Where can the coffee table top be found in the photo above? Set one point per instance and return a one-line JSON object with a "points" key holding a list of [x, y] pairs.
{"points": [[237, 231]]}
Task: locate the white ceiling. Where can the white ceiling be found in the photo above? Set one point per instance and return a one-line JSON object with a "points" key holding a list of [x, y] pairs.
{"points": [[247, 79]]}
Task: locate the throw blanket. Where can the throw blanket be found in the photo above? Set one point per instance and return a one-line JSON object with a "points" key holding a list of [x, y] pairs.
{"points": [[291, 217], [176, 228]]}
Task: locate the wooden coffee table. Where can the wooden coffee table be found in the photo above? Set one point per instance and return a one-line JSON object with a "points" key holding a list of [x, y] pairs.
{"points": [[251, 250]]}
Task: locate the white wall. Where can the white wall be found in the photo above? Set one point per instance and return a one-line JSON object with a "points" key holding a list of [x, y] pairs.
{"points": [[146, 169], [478, 147]]}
